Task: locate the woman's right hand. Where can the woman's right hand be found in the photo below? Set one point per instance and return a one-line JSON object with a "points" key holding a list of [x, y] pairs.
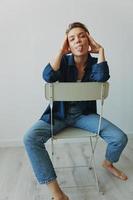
{"points": [[64, 49], [65, 46]]}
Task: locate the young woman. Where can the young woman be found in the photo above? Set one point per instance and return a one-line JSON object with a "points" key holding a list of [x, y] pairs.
{"points": [[72, 63]]}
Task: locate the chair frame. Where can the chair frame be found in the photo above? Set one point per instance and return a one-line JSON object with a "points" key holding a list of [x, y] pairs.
{"points": [[78, 91]]}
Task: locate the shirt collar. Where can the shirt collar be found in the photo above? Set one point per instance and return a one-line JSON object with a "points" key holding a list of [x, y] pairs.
{"points": [[71, 61]]}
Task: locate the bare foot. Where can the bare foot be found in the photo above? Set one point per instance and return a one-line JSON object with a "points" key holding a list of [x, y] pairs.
{"points": [[116, 172], [63, 197]]}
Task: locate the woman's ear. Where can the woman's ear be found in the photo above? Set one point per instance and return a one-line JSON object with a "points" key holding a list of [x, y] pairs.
{"points": [[89, 48]]}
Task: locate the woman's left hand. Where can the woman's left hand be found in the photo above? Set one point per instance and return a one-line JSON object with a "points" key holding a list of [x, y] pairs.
{"points": [[94, 47]]}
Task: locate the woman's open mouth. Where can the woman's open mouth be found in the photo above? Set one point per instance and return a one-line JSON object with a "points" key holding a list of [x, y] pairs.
{"points": [[79, 48]]}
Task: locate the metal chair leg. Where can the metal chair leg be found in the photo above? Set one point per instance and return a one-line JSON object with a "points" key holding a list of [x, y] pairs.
{"points": [[92, 160]]}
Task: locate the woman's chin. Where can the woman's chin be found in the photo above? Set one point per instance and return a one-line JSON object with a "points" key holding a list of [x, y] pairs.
{"points": [[80, 53]]}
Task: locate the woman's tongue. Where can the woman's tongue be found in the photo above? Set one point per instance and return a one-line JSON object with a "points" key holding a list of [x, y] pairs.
{"points": [[79, 48]]}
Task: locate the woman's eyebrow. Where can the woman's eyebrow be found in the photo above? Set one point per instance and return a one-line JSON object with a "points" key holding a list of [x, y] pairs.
{"points": [[71, 36], [77, 34], [81, 33]]}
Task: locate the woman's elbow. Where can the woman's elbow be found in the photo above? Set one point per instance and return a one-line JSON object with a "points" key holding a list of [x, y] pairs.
{"points": [[102, 77]]}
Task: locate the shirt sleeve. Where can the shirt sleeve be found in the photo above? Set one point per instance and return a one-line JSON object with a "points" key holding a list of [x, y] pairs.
{"points": [[100, 72], [49, 75]]}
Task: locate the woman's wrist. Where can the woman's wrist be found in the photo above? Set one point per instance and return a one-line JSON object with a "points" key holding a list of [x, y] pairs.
{"points": [[61, 52], [101, 57], [101, 49], [56, 62]]}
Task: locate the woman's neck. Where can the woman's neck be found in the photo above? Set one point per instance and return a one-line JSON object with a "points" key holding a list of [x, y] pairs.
{"points": [[80, 61]]}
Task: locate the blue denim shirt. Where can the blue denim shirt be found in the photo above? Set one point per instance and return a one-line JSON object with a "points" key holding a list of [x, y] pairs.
{"points": [[68, 73]]}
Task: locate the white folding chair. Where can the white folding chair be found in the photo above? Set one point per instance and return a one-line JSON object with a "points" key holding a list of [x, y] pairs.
{"points": [[78, 91]]}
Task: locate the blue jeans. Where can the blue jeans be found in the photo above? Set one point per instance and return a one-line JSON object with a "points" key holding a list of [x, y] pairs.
{"points": [[39, 133]]}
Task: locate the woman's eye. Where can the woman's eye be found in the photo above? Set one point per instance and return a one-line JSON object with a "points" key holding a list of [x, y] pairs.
{"points": [[82, 36], [71, 39]]}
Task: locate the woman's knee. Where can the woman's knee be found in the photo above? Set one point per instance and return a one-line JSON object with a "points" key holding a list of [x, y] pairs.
{"points": [[28, 138], [122, 139], [125, 139], [36, 134]]}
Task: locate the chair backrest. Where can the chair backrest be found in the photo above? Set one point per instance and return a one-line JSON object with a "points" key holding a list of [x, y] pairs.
{"points": [[76, 91]]}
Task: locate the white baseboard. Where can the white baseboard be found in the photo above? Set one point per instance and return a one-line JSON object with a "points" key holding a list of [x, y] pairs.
{"points": [[19, 143], [11, 143]]}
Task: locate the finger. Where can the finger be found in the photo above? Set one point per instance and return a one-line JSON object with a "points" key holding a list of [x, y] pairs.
{"points": [[65, 37], [87, 34], [94, 42], [65, 41]]}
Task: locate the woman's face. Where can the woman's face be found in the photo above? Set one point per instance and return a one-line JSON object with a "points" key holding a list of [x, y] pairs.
{"points": [[78, 41]]}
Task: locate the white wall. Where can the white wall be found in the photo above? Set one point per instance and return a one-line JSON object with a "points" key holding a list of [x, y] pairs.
{"points": [[31, 32]]}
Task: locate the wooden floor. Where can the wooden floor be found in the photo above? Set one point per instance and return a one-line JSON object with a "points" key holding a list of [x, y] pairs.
{"points": [[17, 181]]}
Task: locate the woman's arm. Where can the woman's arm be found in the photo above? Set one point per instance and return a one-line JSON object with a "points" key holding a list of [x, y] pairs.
{"points": [[101, 56], [55, 64], [96, 48], [52, 71], [63, 50], [100, 70]]}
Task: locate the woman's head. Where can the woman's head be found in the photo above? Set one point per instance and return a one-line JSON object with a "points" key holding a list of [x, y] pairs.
{"points": [[78, 40], [76, 25]]}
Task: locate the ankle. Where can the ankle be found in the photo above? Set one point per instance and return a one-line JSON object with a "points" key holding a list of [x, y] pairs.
{"points": [[107, 163], [58, 195]]}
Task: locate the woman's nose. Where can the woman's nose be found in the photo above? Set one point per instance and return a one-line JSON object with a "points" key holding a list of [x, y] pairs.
{"points": [[77, 39]]}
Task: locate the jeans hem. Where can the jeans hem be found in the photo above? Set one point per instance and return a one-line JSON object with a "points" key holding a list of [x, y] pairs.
{"points": [[112, 161], [48, 181]]}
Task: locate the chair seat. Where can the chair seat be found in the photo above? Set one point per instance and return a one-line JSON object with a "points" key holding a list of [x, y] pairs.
{"points": [[71, 132]]}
